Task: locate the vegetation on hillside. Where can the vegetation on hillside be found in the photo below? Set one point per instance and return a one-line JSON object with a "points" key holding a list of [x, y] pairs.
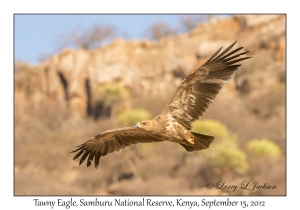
{"points": [[132, 116]]}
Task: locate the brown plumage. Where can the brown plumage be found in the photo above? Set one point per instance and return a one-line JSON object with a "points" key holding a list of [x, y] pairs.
{"points": [[191, 100]]}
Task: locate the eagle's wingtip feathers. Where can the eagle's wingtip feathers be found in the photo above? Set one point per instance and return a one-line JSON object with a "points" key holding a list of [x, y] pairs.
{"points": [[225, 59]]}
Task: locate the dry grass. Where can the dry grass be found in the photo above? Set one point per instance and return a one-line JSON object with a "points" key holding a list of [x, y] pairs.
{"points": [[44, 166]]}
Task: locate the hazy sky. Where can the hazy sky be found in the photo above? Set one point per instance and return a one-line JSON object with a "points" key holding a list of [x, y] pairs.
{"points": [[41, 35]]}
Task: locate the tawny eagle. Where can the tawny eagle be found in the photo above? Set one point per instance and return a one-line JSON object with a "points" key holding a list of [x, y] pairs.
{"points": [[189, 103]]}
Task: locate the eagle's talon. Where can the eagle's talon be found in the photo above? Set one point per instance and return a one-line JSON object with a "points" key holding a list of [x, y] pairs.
{"points": [[191, 141]]}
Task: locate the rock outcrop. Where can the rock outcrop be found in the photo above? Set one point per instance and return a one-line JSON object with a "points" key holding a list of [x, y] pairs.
{"points": [[68, 80]]}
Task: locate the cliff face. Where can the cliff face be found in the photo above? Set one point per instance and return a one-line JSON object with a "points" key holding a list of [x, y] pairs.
{"points": [[56, 101], [68, 80]]}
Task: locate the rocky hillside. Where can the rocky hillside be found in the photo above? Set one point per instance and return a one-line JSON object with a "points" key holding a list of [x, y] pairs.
{"points": [[68, 80]]}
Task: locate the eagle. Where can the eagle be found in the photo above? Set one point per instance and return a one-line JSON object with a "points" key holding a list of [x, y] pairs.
{"points": [[191, 100]]}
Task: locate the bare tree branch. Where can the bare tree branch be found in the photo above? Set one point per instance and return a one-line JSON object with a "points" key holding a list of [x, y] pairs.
{"points": [[90, 38], [189, 22], [159, 30]]}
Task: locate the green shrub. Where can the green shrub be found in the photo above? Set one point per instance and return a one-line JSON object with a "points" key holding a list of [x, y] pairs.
{"points": [[228, 155], [224, 151], [263, 147], [133, 116], [213, 128], [111, 93]]}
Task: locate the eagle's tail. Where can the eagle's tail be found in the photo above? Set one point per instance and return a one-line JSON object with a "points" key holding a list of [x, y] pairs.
{"points": [[201, 141]]}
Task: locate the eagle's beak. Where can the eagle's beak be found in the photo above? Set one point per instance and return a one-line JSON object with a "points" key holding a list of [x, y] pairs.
{"points": [[137, 125]]}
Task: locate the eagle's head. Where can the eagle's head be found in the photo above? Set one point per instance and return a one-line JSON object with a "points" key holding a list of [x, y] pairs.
{"points": [[147, 125]]}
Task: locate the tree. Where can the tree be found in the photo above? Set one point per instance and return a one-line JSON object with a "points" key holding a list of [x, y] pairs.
{"points": [[133, 116], [90, 38], [189, 22], [106, 97], [263, 148], [224, 152], [160, 30]]}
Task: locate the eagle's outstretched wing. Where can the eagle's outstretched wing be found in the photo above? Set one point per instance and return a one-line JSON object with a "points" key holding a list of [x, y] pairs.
{"points": [[112, 141], [199, 89]]}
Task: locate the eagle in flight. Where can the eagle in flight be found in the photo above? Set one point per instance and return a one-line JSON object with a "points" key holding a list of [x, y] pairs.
{"points": [[192, 98]]}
